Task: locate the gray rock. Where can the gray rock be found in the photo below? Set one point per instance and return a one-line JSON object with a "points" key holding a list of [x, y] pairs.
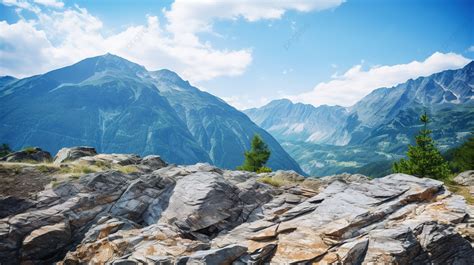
{"points": [[124, 262], [200, 214], [394, 246], [201, 200], [34, 154], [153, 162], [222, 256], [120, 159], [73, 153], [12, 205], [465, 178], [443, 244], [45, 241]]}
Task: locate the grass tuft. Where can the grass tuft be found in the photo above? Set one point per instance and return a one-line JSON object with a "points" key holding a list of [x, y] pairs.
{"points": [[128, 169], [271, 181]]}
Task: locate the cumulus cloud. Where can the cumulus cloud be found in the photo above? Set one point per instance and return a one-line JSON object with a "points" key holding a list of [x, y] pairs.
{"points": [[59, 36], [355, 83]]}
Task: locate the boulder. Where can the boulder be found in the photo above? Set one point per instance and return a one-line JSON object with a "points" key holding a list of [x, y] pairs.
{"points": [[222, 256], [73, 153], [45, 241], [119, 159], [153, 162], [34, 154], [465, 178], [200, 201]]}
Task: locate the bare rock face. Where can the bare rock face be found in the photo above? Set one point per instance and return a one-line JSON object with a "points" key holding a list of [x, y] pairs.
{"points": [[465, 178], [73, 153], [35, 154], [200, 214]]}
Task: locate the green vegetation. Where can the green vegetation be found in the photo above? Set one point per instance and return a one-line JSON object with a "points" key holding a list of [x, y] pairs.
{"points": [[29, 150], [4, 150], [264, 169], [258, 155], [424, 159], [45, 168], [461, 158]]}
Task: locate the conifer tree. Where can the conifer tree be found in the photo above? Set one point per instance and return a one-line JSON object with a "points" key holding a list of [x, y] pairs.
{"points": [[257, 156], [424, 159]]}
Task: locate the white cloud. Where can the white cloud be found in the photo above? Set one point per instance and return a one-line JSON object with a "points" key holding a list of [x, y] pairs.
{"points": [[50, 3], [471, 49], [246, 101], [60, 37], [21, 4], [355, 83]]}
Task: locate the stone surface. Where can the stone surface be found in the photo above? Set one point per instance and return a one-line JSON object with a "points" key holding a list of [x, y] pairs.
{"points": [[465, 178], [224, 256], [73, 153], [35, 154], [200, 214], [153, 162], [45, 241]]}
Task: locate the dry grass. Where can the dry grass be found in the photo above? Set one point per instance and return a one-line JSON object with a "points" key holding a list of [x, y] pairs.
{"points": [[461, 190], [274, 182], [128, 169]]}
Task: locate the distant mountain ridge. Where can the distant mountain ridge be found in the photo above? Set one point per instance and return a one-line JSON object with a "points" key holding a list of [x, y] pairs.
{"points": [[118, 106], [333, 139]]}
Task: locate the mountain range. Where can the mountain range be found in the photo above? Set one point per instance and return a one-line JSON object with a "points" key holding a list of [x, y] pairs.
{"points": [[377, 129], [118, 106]]}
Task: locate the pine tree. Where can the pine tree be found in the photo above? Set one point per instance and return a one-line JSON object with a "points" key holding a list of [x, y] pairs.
{"points": [[257, 156], [424, 159]]}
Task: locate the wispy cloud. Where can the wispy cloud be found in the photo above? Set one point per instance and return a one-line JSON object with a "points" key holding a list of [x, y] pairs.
{"points": [[355, 83]]}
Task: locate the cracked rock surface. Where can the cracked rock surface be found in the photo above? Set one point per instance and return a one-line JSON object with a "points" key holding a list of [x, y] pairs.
{"points": [[200, 214]]}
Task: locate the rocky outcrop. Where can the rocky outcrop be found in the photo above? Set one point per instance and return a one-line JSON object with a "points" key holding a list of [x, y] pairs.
{"points": [[465, 178], [73, 153], [34, 154], [200, 214]]}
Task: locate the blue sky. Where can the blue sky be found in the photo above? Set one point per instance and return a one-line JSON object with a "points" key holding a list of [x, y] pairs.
{"points": [[319, 52]]}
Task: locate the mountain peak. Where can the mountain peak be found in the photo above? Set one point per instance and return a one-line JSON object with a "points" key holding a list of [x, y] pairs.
{"points": [[86, 68], [279, 102], [169, 76]]}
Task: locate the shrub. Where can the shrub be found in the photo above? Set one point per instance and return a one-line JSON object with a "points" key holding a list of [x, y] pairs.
{"points": [[29, 150], [264, 169], [45, 168]]}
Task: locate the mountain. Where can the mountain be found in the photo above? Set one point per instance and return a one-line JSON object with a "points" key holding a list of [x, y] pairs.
{"points": [[118, 106], [5, 80], [378, 128], [300, 122]]}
